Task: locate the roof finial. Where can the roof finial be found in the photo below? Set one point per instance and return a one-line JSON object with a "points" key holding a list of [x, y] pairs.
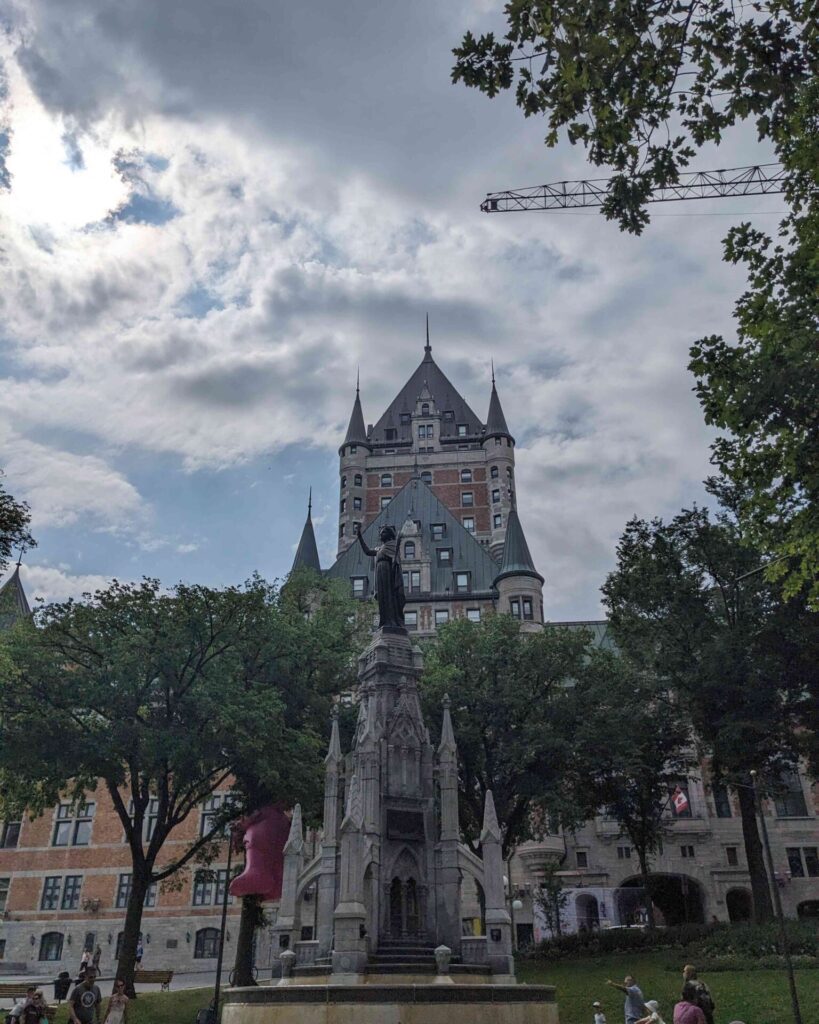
{"points": [[492, 362], [357, 378], [20, 556], [309, 502], [427, 347]]}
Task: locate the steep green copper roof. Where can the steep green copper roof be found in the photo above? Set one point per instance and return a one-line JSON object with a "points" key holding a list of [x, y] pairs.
{"points": [[599, 629], [495, 420], [307, 556], [416, 501], [517, 561], [356, 431], [13, 601]]}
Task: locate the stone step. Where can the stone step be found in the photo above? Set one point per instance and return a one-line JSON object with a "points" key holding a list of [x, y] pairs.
{"points": [[406, 958], [425, 968]]}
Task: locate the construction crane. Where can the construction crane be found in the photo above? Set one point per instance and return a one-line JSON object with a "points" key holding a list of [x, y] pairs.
{"points": [[758, 180]]}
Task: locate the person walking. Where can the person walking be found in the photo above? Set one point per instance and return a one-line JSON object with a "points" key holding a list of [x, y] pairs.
{"points": [[117, 1012], [687, 1011], [704, 998], [84, 1003], [85, 961], [634, 1006], [95, 960], [139, 951]]}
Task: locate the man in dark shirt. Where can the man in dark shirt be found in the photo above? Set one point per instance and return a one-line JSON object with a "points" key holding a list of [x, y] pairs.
{"points": [[84, 1003]]}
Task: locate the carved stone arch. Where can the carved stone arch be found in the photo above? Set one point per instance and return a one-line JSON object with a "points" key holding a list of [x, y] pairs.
{"points": [[404, 865], [308, 875]]}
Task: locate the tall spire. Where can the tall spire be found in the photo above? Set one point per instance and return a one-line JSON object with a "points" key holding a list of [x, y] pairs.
{"points": [[491, 829], [495, 420], [517, 561], [356, 432], [13, 601], [307, 556], [447, 743], [427, 347]]}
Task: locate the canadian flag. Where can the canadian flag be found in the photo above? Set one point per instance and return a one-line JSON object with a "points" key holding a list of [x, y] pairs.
{"points": [[680, 801]]}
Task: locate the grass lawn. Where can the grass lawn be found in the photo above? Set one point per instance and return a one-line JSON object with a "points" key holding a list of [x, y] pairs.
{"points": [[159, 1007], [754, 997]]}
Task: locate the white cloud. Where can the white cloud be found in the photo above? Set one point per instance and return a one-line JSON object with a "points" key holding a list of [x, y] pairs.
{"points": [[51, 584]]}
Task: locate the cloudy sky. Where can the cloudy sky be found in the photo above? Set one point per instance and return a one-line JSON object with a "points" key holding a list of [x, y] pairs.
{"points": [[213, 211]]}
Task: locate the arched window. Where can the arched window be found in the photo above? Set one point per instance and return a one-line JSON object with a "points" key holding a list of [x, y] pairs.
{"points": [[207, 944], [51, 946], [386, 479], [509, 472], [344, 481], [466, 476], [409, 549], [357, 480], [425, 409], [494, 472]]}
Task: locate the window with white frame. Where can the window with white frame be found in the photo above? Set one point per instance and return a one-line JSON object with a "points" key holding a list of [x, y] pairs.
{"points": [[803, 861], [469, 524], [466, 476], [409, 549], [789, 800], [411, 620], [123, 894], [5, 884], [441, 616], [497, 521], [494, 472], [385, 500], [10, 836], [213, 806], [360, 586], [73, 829], [461, 580], [386, 479], [467, 499], [473, 614], [462, 428], [209, 887]]}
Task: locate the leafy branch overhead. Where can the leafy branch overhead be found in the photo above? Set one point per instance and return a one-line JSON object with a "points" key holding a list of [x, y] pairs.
{"points": [[643, 86]]}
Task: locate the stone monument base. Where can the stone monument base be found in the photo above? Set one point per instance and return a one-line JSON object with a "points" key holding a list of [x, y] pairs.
{"points": [[391, 1004]]}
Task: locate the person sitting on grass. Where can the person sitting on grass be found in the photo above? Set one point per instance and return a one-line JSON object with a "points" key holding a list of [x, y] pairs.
{"points": [[653, 1016], [599, 1016], [687, 1011], [634, 1006]]}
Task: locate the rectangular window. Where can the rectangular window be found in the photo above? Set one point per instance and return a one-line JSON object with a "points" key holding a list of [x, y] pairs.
{"points": [[341, 529], [51, 892], [444, 556], [82, 825], [449, 416], [467, 499], [11, 834], [493, 472], [722, 801], [461, 430], [466, 476], [391, 434], [411, 620], [469, 524], [209, 888], [356, 504], [405, 418], [441, 616], [360, 586], [687, 851], [624, 853], [424, 431], [514, 607], [123, 891], [62, 826], [791, 801], [794, 855], [495, 496], [473, 614], [811, 861], [5, 883], [497, 521], [385, 500], [342, 506], [582, 859], [71, 892], [426, 476], [527, 609], [438, 531], [461, 582], [353, 449], [731, 856]]}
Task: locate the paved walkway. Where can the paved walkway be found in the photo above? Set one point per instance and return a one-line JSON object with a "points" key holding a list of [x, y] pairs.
{"points": [[194, 979]]}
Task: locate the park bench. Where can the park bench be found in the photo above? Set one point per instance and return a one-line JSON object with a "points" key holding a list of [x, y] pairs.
{"points": [[163, 978], [10, 992]]}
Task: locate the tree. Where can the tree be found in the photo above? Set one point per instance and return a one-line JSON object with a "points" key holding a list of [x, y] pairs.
{"points": [[511, 715], [644, 86], [551, 898], [633, 744], [742, 662], [764, 389], [14, 522], [161, 698]]}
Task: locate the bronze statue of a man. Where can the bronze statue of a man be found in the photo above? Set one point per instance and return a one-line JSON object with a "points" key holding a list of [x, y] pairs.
{"points": [[389, 581]]}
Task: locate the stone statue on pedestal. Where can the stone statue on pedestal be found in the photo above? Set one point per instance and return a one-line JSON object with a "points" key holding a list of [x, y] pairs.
{"points": [[389, 582]]}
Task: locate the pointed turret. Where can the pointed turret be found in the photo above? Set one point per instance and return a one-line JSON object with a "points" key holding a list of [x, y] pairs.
{"points": [[334, 754], [495, 420], [447, 744], [356, 431], [428, 347], [307, 556], [295, 841], [13, 601], [517, 561], [491, 829]]}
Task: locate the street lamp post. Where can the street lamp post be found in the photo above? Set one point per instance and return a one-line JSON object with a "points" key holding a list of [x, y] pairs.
{"points": [[783, 935], [211, 1015]]}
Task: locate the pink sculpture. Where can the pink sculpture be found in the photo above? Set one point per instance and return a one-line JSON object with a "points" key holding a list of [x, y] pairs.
{"points": [[263, 835]]}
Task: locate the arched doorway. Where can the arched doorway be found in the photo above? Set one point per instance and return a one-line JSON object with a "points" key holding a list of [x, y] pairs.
{"points": [[404, 909], [739, 904], [677, 899], [587, 912]]}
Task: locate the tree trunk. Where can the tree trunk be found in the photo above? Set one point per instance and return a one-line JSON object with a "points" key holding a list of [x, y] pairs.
{"points": [[644, 874], [133, 924], [760, 889], [251, 919]]}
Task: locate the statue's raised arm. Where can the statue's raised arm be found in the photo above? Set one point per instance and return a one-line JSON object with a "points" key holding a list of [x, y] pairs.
{"points": [[367, 550], [389, 587]]}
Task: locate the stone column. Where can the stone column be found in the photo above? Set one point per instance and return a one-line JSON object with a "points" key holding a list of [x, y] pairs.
{"points": [[350, 917], [326, 897], [448, 889], [498, 922], [287, 921]]}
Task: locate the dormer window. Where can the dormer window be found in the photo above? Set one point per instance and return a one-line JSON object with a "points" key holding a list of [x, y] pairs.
{"points": [[425, 431], [438, 531], [449, 416], [466, 476], [444, 556], [391, 434], [360, 586], [461, 430], [461, 582], [386, 479], [425, 409], [405, 418], [409, 550]]}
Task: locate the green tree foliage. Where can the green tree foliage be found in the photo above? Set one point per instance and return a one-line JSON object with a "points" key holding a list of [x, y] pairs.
{"points": [[643, 86], [162, 698], [512, 717], [633, 745], [14, 522], [764, 390], [743, 663], [551, 898]]}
